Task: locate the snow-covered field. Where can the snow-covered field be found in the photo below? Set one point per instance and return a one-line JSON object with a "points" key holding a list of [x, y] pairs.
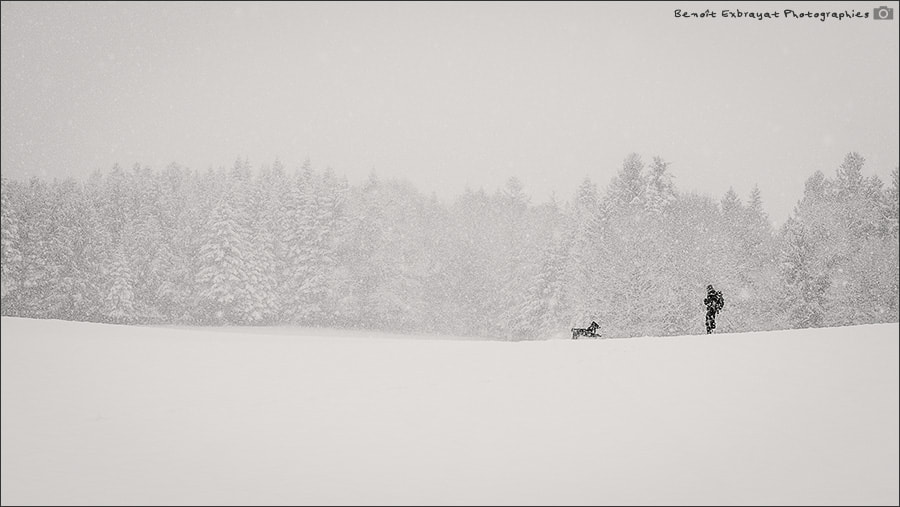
{"points": [[102, 414]]}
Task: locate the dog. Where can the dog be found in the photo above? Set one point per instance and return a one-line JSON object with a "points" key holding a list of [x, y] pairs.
{"points": [[590, 331]]}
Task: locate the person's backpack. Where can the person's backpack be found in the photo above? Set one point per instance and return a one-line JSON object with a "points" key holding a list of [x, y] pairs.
{"points": [[720, 301]]}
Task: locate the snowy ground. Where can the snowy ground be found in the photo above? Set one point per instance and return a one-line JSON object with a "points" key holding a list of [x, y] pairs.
{"points": [[101, 414]]}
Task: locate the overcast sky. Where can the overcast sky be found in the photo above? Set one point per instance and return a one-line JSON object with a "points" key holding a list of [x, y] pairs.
{"points": [[453, 94]]}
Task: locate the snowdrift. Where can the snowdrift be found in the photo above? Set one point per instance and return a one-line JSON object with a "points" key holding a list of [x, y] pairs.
{"points": [[103, 414]]}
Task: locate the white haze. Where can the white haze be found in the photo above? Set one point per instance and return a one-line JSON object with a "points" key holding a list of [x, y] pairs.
{"points": [[449, 94]]}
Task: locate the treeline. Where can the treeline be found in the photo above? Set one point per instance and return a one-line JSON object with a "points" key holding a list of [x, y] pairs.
{"points": [[304, 247]]}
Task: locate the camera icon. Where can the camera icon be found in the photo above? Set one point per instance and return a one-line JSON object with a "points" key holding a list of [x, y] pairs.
{"points": [[883, 12]]}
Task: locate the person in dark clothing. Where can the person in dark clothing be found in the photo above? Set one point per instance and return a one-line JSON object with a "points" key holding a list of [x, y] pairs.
{"points": [[714, 303]]}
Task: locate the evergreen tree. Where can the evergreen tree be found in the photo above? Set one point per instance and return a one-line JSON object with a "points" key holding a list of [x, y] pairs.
{"points": [[118, 306], [514, 247], [222, 276], [804, 282], [892, 203], [298, 234], [626, 190], [37, 277], [582, 239], [10, 255], [69, 241], [659, 193], [542, 314]]}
